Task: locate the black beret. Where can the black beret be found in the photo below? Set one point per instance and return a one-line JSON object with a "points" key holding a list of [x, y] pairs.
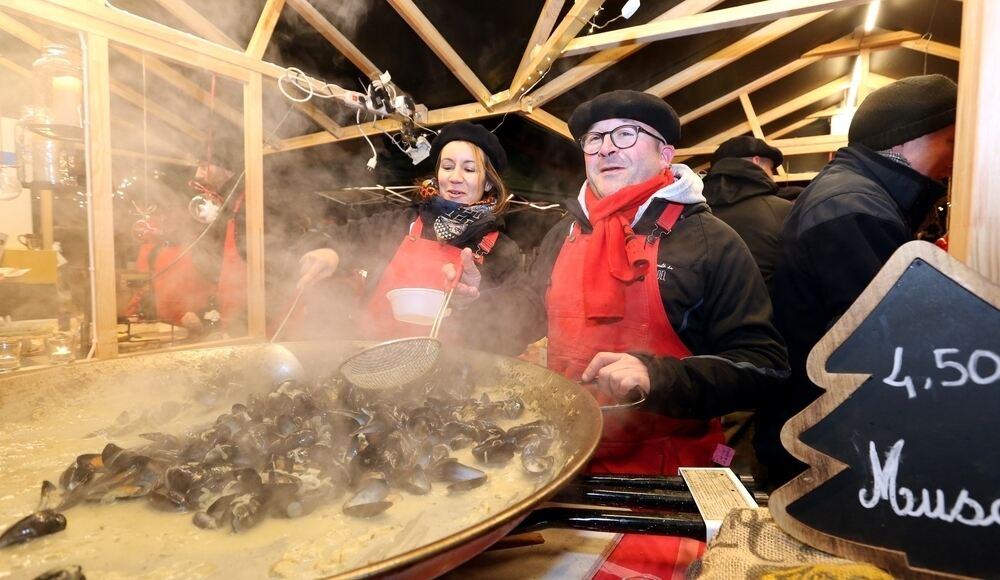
{"points": [[903, 111], [475, 134], [649, 109], [746, 146]]}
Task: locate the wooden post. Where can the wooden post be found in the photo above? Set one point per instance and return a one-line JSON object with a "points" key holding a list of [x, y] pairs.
{"points": [[98, 128], [45, 211], [975, 189], [253, 159]]}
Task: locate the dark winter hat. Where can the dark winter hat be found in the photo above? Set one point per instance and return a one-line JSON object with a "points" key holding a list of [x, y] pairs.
{"points": [[903, 111], [746, 146], [475, 134], [649, 109]]}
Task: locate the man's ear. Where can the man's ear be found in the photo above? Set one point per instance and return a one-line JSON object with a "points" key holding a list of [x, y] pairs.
{"points": [[667, 153]]}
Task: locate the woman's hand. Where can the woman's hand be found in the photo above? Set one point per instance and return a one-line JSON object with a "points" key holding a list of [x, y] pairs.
{"points": [[617, 374], [467, 289], [317, 265]]}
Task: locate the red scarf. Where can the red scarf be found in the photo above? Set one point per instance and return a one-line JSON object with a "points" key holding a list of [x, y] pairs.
{"points": [[614, 255]]}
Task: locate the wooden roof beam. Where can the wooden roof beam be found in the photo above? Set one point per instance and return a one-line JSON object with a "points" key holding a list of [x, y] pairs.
{"points": [[22, 31], [732, 53], [182, 82], [165, 145], [827, 112], [881, 41], [35, 40], [442, 116], [932, 47], [788, 147], [437, 43], [751, 116], [757, 12], [607, 58], [548, 121], [543, 28], [200, 25], [265, 28], [575, 19], [865, 63], [780, 73], [309, 13], [14, 67], [804, 100], [755, 124]]}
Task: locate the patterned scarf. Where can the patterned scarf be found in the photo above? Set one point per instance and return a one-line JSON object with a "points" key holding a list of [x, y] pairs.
{"points": [[456, 223]]}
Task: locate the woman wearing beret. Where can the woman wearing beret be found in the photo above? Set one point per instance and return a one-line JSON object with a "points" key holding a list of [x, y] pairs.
{"points": [[407, 248]]}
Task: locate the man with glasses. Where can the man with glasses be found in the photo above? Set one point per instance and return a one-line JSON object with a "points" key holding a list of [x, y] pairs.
{"points": [[643, 293]]}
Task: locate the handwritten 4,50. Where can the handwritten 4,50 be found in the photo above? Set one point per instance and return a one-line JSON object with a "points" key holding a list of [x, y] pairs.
{"points": [[982, 367]]}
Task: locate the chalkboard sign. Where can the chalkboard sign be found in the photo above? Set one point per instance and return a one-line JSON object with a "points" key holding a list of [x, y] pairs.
{"points": [[904, 445]]}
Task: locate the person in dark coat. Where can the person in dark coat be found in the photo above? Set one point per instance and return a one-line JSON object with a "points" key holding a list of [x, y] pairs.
{"points": [[741, 191], [641, 288], [866, 203]]}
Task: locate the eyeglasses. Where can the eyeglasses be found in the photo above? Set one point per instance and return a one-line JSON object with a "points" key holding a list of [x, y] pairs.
{"points": [[622, 137]]}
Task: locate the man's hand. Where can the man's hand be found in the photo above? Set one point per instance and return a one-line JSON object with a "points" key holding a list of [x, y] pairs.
{"points": [[317, 265], [617, 374], [467, 289]]}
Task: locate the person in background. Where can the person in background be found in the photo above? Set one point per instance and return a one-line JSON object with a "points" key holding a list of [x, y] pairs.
{"points": [[181, 291], [741, 191], [641, 288], [460, 209], [228, 262], [867, 202]]}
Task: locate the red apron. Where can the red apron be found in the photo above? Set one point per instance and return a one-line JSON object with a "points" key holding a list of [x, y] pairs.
{"points": [[231, 294], [417, 264], [177, 290], [634, 442]]}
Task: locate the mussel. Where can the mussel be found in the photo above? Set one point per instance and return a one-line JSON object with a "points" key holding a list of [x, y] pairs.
{"points": [[36, 525]]}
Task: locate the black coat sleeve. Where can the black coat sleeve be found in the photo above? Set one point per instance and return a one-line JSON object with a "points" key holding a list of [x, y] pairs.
{"points": [[847, 253], [737, 352], [369, 243], [512, 315]]}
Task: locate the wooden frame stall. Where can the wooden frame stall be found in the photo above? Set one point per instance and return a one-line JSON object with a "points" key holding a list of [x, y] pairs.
{"points": [[974, 209], [100, 24]]}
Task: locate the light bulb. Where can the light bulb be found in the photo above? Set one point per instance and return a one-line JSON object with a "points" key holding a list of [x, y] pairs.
{"points": [[10, 187]]}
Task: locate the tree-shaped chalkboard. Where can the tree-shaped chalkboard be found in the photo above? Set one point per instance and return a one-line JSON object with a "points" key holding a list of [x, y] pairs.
{"points": [[904, 445]]}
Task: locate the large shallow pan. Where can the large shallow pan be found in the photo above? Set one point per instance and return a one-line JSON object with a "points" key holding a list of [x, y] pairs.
{"points": [[49, 417]]}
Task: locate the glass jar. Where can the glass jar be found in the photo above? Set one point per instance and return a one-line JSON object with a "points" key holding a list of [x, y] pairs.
{"points": [[61, 347], [10, 354], [42, 159], [59, 84]]}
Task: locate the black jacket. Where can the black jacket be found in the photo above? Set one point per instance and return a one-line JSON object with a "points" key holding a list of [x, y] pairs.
{"points": [[745, 197], [842, 229], [712, 293]]}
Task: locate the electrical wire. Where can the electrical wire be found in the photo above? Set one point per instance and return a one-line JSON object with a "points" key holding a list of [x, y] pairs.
{"points": [[929, 35], [524, 94], [374, 159]]}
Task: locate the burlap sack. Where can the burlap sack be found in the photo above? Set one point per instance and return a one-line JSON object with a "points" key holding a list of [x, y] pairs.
{"points": [[750, 545]]}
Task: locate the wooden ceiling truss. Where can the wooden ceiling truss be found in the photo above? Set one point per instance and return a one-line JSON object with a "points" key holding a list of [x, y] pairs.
{"points": [[205, 47], [550, 40]]}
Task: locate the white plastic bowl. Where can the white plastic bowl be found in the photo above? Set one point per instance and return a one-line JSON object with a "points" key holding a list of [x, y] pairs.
{"points": [[415, 305]]}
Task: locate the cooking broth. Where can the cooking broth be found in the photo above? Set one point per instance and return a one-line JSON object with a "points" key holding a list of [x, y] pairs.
{"points": [[43, 432]]}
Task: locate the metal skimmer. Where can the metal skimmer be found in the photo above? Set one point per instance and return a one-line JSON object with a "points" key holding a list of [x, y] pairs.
{"points": [[397, 363]]}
